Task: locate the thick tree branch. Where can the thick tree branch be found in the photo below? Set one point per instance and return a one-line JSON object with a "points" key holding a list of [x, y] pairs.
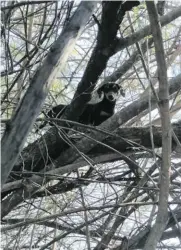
{"points": [[138, 135], [118, 119], [112, 16], [163, 93], [39, 152], [97, 63], [25, 115], [123, 140]]}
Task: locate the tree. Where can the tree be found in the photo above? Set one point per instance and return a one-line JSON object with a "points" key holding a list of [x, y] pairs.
{"points": [[115, 185]]}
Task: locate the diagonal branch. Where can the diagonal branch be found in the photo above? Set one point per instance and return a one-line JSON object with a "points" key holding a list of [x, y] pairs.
{"points": [[137, 36], [97, 63], [22, 122], [112, 16], [86, 144]]}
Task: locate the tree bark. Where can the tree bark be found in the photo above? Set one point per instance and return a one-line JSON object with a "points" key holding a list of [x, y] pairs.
{"points": [[30, 106], [162, 214]]}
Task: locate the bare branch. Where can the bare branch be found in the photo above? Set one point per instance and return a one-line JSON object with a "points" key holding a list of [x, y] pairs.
{"points": [[21, 123], [137, 36], [162, 214]]}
